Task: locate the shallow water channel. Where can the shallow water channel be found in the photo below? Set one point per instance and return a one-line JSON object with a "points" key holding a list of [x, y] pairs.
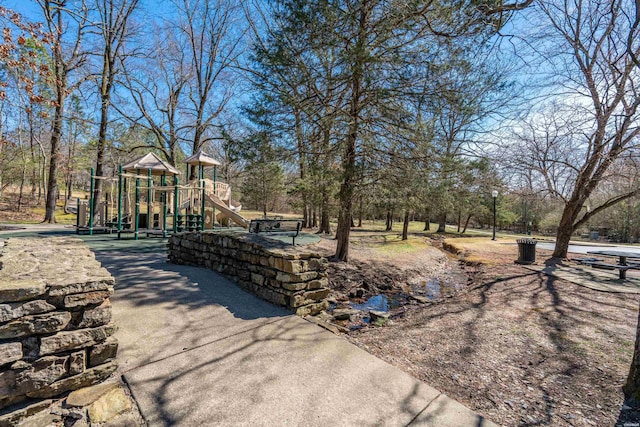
{"points": [[421, 290]]}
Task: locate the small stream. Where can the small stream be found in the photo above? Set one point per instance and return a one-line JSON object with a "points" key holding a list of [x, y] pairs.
{"points": [[432, 290], [435, 289], [423, 291]]}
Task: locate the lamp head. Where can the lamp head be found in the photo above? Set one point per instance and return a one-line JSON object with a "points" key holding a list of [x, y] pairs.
{"points": [[494, 193]]}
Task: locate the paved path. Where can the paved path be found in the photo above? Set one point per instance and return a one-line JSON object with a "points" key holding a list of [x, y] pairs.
{"points": [[589, 277], [197, 350]]}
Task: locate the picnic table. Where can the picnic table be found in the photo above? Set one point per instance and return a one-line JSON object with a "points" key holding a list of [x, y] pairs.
{"points": [[622, 266]]}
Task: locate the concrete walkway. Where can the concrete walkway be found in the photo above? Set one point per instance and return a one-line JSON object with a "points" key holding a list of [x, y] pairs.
{"points": [[196, 350], [589, 277]]}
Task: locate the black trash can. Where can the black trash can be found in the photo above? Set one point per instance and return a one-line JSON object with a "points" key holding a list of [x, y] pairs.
{"points": [[526, 251]]}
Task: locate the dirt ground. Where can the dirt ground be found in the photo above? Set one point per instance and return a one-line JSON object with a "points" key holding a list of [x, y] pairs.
{"points": [[9, 212], [519, 347]]}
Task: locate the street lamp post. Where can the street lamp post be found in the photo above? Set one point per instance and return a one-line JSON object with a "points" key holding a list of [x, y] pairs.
{"points": [[494, 193]]}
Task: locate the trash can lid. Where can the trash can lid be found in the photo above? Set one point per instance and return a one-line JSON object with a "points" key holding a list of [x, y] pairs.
{"points": [[527, 241]]}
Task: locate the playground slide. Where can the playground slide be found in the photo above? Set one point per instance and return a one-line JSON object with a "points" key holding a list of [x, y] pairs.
{"points": [[221, 206]]}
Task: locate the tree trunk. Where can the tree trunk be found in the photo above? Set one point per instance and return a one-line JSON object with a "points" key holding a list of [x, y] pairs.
{"points": [[56, 133], [566, 228], [459, 221], [442, 223], [389, 223], [305, 211], [197, 142], [360, 214], [405, 226], [325, 226], [306, 220], [632, 385], [23, 178], [466, 224], [349, 157], [427, 221], [314, 218], [102, 141], [34, 171], [346, 194], [70, 186]]}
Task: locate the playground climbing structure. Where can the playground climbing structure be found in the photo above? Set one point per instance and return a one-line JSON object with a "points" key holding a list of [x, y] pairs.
{"points": [[150, 201]]}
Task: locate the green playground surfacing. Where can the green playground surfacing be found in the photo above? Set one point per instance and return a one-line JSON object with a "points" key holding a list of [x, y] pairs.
{"points": [[110, 242], [96, 242]]}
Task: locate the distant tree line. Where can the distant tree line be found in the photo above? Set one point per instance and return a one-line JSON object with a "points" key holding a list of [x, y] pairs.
{"points": [[342, 110]]}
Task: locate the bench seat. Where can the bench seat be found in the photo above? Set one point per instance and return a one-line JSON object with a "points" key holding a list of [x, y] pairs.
{"points": [[606, 266], [287, 227], [587, 260]]}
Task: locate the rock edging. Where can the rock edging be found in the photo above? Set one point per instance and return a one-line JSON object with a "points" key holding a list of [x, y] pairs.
{"points": [[290, 276], [55, 320]]}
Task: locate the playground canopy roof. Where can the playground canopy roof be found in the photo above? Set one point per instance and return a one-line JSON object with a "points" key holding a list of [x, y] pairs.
{"points": [[153, 162], [201, 158]]}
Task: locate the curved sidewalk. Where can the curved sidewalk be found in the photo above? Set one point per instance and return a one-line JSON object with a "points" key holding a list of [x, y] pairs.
{"points": [[197, 350]]}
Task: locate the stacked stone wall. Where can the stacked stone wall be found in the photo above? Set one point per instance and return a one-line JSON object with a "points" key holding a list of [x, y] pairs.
{"points": [[55, 319], [291, 276]]}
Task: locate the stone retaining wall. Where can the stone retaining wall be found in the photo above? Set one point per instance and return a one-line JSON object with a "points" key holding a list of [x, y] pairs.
{"points": [[55, 319], [291, 276]]}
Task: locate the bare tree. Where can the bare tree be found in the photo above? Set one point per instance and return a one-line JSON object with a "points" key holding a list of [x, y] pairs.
{"points": [[213, 33], [596, 70], [632, 385], [158, 92], [67, 57], [114, 30]]}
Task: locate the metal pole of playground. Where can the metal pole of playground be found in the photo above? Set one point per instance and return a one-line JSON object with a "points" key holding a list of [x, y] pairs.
{"points": [[494, 194], [175, 203], [213, 218], [149, 205], [164, 204], [201, 173], [107, 217], [119, 199], [135, 219], [125, 189], [93, 185], [78, 215]]}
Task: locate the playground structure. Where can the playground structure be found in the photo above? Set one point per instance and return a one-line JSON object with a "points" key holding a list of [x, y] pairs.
{"points": [[145, 203]]}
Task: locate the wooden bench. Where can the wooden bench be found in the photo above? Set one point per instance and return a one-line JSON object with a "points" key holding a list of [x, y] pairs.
{"points": [[287, 227], [622, 269]]}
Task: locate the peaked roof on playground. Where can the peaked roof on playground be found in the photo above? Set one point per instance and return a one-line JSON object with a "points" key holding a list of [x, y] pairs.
{"points": [[201, 158], [153, 162]]}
